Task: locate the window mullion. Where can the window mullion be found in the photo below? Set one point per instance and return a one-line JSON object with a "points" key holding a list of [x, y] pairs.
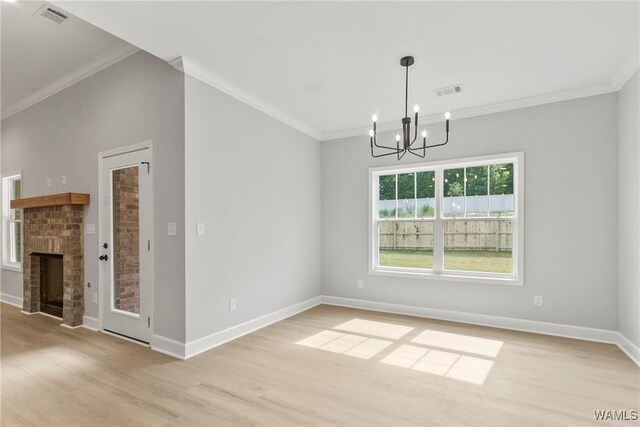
{"points": [[464, 190], [489, 190], [438, 226], [415, 194], [375, 222], [376, 241], [514, 247], [396, 182]]}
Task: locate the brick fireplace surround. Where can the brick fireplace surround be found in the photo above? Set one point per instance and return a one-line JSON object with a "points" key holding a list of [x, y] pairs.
{"points": [[54, 225]]}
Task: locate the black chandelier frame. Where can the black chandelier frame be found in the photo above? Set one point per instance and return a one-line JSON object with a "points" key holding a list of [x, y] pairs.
{"points": [[407, 142]]}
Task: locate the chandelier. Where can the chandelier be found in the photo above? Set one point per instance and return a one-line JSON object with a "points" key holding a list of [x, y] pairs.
{"points": [[406, 146]]}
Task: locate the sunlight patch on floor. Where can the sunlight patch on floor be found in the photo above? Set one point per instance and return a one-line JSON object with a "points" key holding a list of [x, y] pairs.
{"points": [[378, 329], [457, 342], [405, 356], [451, 365], [421, 357], [470, 369], [368, 348], [320, 339], [351, 345], [344, 343], [436, 362]]}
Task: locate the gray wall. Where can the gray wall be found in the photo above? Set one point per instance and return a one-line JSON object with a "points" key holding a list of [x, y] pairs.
{"points": [[262, 244], [570, 156], [138, 99], [628, 211]]}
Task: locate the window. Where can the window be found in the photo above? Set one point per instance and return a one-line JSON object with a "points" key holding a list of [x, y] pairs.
{"points": [[11, 222], [457, 220]]}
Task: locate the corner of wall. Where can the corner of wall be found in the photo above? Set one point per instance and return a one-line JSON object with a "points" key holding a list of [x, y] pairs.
{"points": [[628, 220]]}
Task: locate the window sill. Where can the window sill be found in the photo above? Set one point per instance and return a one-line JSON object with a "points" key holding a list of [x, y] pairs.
{"points": [[16, 268], [467, 278]]}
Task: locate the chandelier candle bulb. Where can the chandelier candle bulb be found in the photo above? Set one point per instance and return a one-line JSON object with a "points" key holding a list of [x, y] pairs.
{"points": [[416, 108], [424, 134], [397, 137]]}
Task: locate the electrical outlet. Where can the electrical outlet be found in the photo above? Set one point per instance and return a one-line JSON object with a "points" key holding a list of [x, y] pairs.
{"points": [[232, 304], [64, 179], [200, 229], [537, 300], [48, 182], [95, 298], [360, 284], [91, 229], [171, 229]]}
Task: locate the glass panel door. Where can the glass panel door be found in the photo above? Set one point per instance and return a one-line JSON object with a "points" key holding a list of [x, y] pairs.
{"points": [[126, 239], [126, 231]]}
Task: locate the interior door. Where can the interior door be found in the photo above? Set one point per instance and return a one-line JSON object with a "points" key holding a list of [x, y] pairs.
{"points": [[125, 244]]}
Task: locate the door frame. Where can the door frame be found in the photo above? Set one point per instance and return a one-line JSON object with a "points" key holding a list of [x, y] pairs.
{"points": [[147, 145]]}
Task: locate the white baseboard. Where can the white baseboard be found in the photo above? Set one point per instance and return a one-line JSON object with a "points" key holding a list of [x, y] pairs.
{"points": [[568, 331], [10, 299], [183, 351], [630, 349], [545, 328], [203, 344], [64, 325], [90, 323], [168, 346]]}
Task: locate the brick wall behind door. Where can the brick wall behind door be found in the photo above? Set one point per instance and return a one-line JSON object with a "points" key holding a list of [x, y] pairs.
{"points": [[126, 263]]}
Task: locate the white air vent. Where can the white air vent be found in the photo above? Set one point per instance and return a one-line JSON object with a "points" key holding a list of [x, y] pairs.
{"points": [[50, 15], [449, 90]]}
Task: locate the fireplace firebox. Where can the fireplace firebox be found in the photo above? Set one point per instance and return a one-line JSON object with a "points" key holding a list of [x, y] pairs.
{"points": [[51, 284]]}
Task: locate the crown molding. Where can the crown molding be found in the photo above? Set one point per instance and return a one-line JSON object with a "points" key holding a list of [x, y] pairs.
{"points": [[627, 69], [100, 63], [483, 110], [177, 64], [192, 69], [619, 79]]}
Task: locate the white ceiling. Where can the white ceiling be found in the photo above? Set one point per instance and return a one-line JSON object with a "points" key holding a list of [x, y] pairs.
{"points": [[35, 54], [326, 67]]}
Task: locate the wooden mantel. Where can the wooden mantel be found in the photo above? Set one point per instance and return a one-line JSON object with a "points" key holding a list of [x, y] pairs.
{"points": [[51, 200]]}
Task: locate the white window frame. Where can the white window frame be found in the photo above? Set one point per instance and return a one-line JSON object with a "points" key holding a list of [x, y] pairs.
{"points": [[516, 278], [7, 194]]}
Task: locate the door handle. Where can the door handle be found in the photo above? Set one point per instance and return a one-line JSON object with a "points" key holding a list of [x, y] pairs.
{"points": [[103, 257]]}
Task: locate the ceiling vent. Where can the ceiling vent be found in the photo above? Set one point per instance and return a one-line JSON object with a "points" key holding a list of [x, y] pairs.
{"points": [[449, 90], [50, 15]]}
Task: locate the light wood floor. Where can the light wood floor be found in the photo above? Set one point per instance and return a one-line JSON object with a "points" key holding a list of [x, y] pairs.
{"points": [[55, 376]]}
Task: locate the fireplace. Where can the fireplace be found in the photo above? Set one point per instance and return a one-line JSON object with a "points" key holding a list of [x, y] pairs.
{"points": [[53, 255], [51, 289]]}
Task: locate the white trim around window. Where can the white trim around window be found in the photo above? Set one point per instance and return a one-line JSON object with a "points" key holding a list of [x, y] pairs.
{"points": [[438, 272], [11, 224]]}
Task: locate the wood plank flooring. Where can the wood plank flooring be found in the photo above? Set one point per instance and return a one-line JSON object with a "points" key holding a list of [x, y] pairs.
{"points": [[320, 367]]}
